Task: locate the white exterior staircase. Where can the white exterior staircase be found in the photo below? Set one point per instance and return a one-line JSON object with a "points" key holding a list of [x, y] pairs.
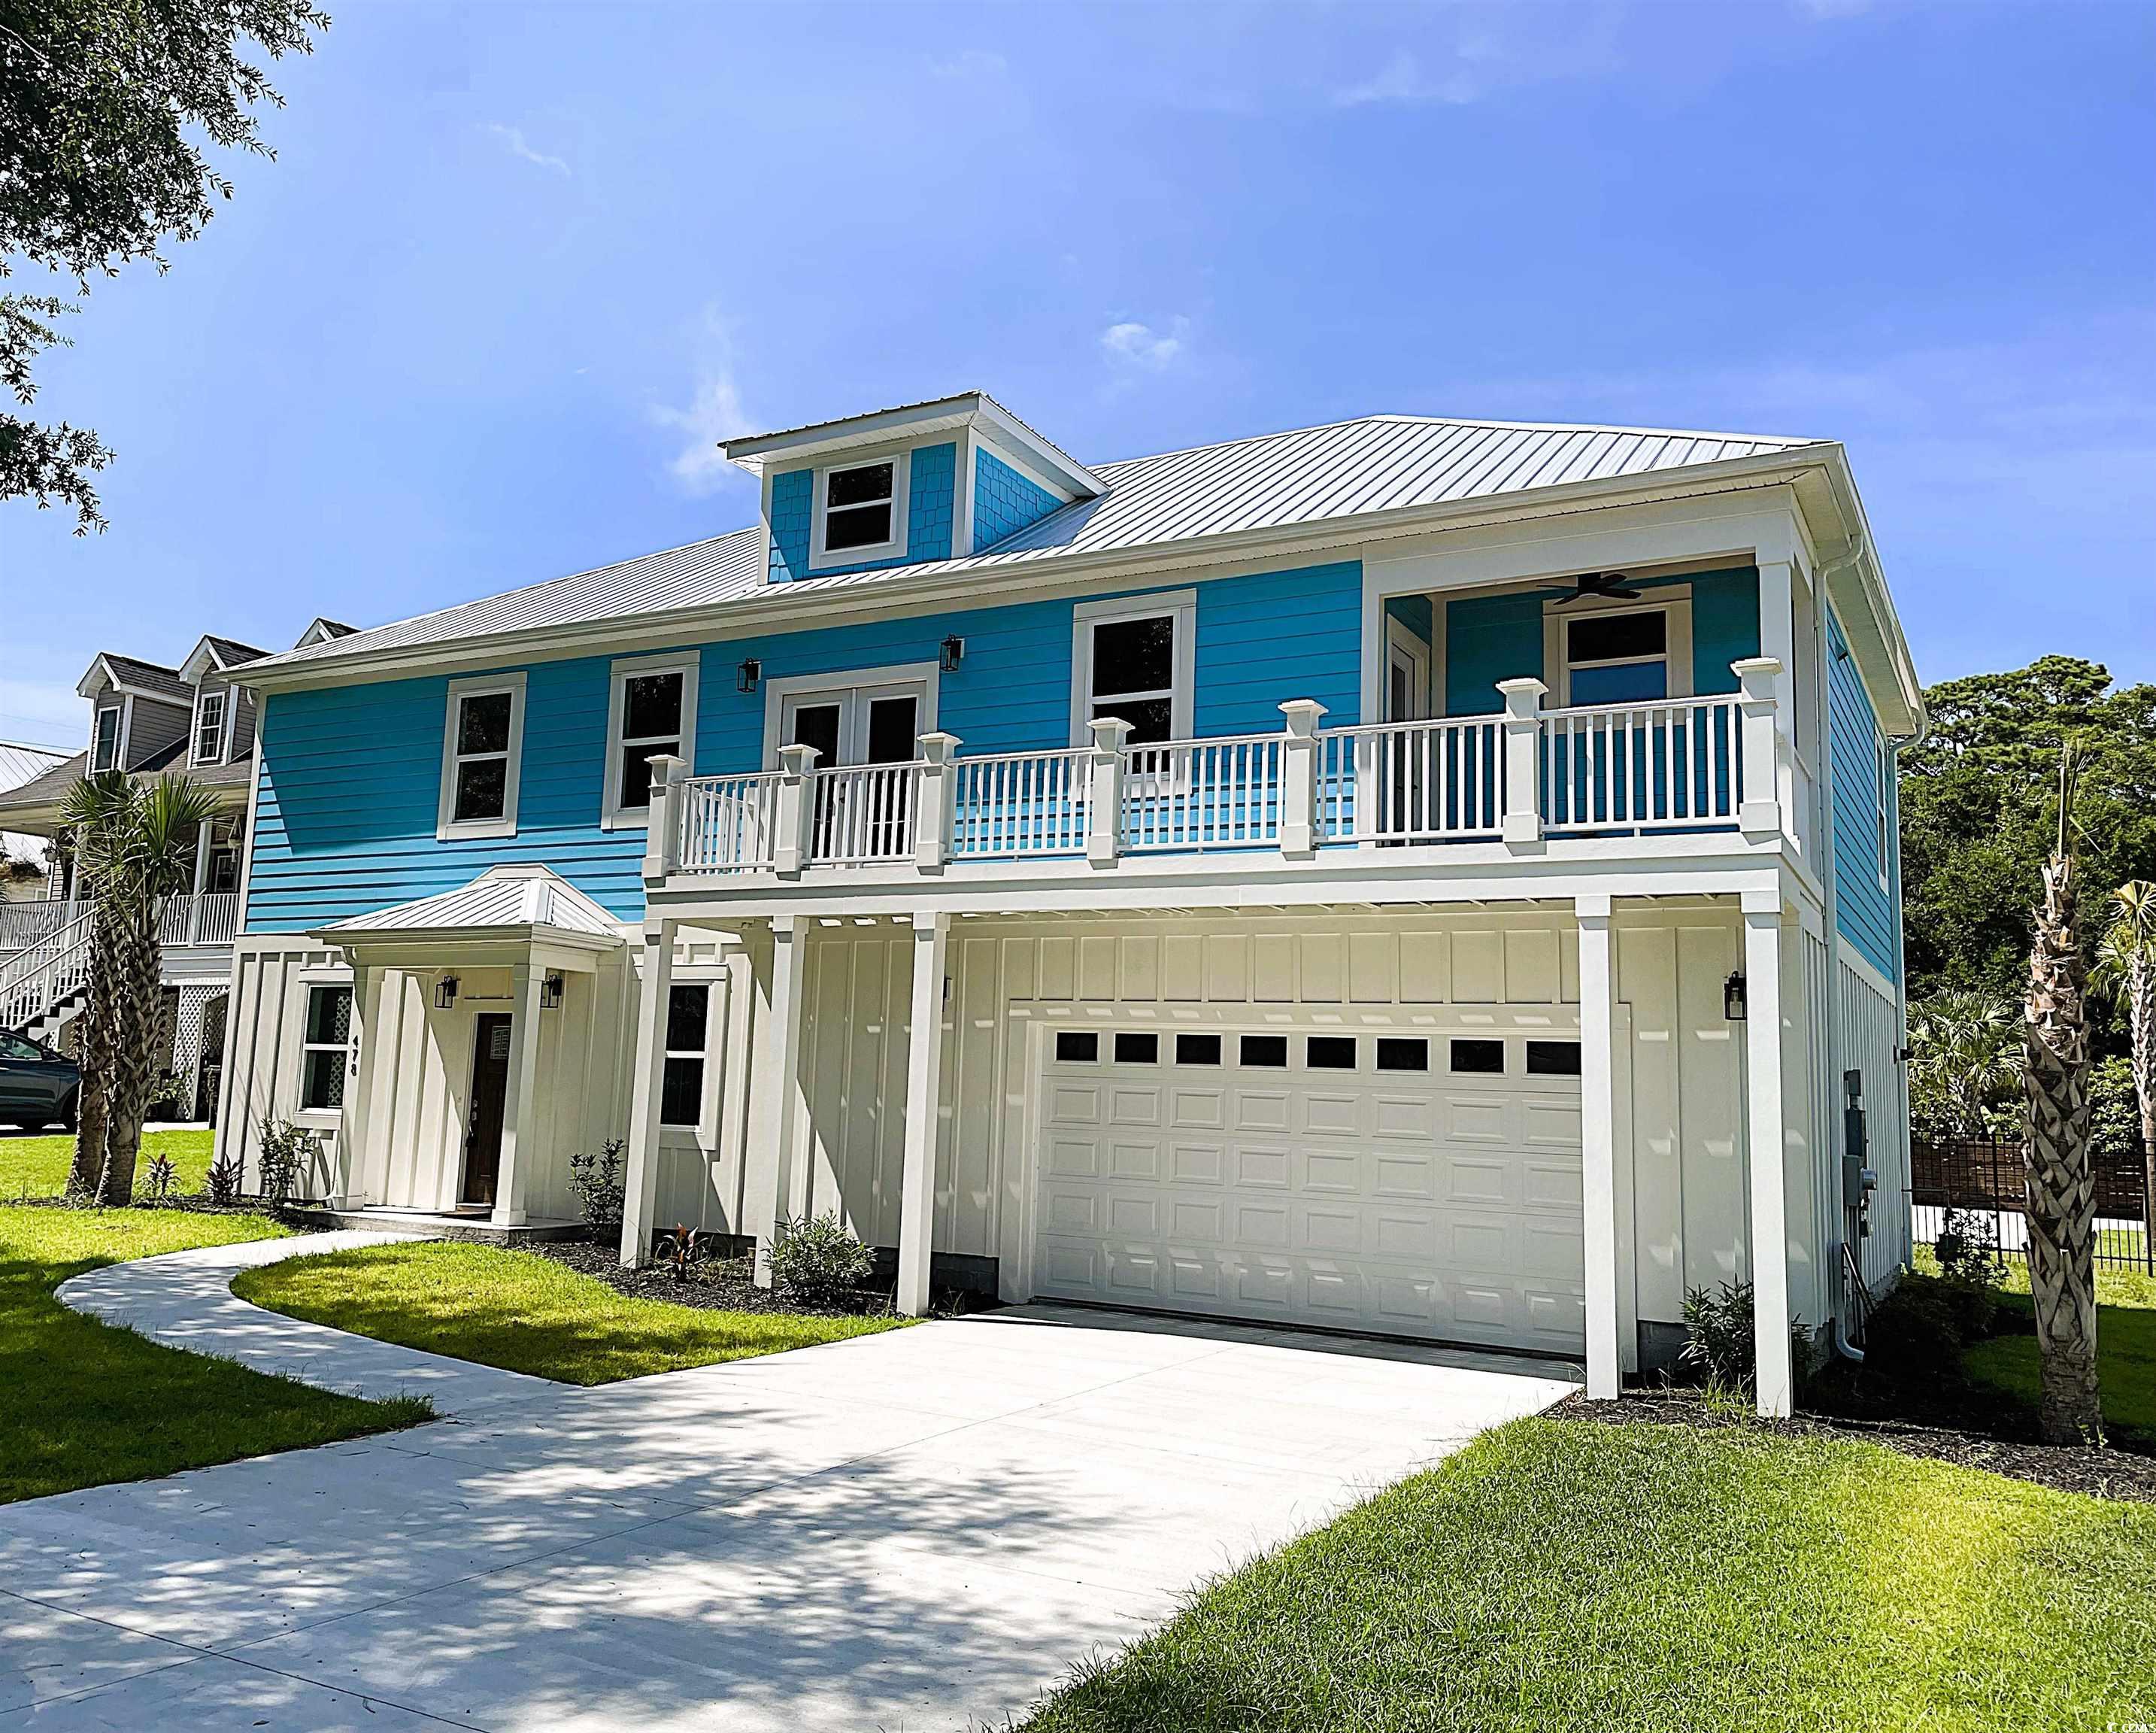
{"points": [[44, 983]]}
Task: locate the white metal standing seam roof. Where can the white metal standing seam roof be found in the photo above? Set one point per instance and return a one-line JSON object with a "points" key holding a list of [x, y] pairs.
{"points": [[1310, 476], [511, 897]]}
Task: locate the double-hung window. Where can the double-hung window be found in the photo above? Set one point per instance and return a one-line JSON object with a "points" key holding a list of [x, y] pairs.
{"points": [[1132, 658], [1601, 653], [860, 512], [104, 747], [688, 1028], [209, 727], [651, 714], [325, 1045], [482, 757]]}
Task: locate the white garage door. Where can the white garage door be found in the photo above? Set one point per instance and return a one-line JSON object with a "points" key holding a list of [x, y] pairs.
{"points": [[1416, 1184]]}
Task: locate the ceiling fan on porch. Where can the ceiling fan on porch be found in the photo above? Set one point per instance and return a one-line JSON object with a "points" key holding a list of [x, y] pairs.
{"points": [[1610, 585]]}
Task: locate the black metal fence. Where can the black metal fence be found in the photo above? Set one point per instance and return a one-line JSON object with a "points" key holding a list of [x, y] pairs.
{"points": [[1987, 1179]]}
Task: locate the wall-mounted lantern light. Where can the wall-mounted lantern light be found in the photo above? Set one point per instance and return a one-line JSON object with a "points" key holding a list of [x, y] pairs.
{"points": [[446, 991], [954, 652], [746, 676], [1732, 996], [550, 993]]}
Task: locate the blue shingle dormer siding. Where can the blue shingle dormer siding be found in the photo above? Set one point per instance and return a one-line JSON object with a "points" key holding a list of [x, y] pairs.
{"points": [[932, 511], [1004, 501]]}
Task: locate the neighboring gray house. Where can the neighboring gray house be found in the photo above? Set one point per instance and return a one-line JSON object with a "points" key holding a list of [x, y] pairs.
{"points": [[147, 719], [22, 858]]}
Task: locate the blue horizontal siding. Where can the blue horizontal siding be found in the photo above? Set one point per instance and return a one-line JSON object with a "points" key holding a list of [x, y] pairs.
{"points": [[352, 775], [1864, 911]]}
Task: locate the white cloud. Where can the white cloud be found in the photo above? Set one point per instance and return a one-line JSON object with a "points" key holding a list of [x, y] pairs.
{"points": [[1833, 8], [1132, 345], [1402, 80], [971, 64], [513, 140], [714, 414]]}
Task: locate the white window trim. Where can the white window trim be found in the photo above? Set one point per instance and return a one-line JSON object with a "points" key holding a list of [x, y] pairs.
{"points": [[924, 675], [223, 749], [1182, 698], [901, 473], [1674, 600], [447, 826], [308, 989], [118, 713], [1403, 644], [704, 1131], [1882, 757], [612, 817]]}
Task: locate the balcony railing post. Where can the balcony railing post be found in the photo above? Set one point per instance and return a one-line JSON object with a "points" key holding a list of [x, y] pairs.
{"points": [[662, 840], [1104, 819], [1521, 779], [933, 813], [1298, 797], [1759, 814], [797, 766]]}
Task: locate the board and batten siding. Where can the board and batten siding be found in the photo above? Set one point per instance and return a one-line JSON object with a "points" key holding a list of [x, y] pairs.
{"points": [[351, 775], [1864, 905]]}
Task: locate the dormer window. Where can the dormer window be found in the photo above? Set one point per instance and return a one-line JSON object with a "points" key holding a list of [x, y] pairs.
{"points": [[104, 747], [860, 512], [209, 728]]}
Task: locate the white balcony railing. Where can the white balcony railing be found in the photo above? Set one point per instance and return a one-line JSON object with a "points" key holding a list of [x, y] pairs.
{"points": [[211, 918], [1521, 776]]}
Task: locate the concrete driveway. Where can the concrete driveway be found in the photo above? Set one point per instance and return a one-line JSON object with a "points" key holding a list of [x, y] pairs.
{"points": [[919, 1530]]}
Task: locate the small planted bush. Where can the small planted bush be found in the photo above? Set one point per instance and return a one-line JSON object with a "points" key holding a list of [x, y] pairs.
{"points": [[157, 1178], [1720, 1344], [1970, 1274], [1917, 1333], [816, 1261], [598, 1181], [287, 1151], [222, 1181], [680, 1249]]}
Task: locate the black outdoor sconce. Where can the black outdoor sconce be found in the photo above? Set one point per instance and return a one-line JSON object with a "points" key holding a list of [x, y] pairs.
{"points": [[446, 991], [1732, 996], [953, 653], [746, 676], [550, 993]]}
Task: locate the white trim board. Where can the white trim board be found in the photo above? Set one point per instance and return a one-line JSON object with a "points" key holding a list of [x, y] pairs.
{"points": [[926, 676], [1182, 604], [687, 664], [447, 826]]}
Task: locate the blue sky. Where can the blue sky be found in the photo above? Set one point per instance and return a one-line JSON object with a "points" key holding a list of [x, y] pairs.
{"points": [[516, 268]]}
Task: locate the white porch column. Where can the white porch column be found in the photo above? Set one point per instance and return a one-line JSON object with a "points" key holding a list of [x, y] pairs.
{"points": [[1597, 1132], [1299, 819], [924, 1088], [202, 879], [639, 1189], [1522, 780], [519, 1106], [789, 961], [790, 816], [359, 1082], [1104, 821], [1765, 1143], [932, 815], [1759, 814], [662, 838]]}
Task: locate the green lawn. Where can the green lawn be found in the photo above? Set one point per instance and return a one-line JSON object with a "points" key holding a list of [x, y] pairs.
{"points": [[2125, 1351], [85, 1403], [1571, 1575], [525, 1313], [38, 1166]]}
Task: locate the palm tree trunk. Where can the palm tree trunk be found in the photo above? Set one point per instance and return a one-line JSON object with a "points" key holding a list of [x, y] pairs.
{"points": [[2141, 1019], [2061, 1182], [93, 1101], [135, 1064]]}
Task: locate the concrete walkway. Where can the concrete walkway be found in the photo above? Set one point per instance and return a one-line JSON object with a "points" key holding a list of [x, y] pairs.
{"points": [[184, 1299], [923, 1529]]}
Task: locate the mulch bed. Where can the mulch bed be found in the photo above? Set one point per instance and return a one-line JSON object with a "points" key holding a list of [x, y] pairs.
{"points": [[728, 1285], [2103, 1474]]}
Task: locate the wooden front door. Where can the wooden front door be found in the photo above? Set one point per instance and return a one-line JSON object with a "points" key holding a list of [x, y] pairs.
{"points": [[491, 1041]]}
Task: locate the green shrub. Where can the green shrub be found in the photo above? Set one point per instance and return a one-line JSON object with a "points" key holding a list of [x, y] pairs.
{"points": [[816, 1261], [1719, 1342], [222, 1181], [287, 1151], [598, 1181], [1969, 1273], [1917, 1333]]}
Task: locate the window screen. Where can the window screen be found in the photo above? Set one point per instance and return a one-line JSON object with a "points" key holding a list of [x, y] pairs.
{"points": [[681, 1086], [857, 507], [1479, 1057]]}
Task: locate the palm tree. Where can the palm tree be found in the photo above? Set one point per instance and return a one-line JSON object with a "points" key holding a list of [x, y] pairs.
{"points": [[157, 860], [1965, 1054], [2126, 966], [99, 809], [2061, 1180], [137, 848]]}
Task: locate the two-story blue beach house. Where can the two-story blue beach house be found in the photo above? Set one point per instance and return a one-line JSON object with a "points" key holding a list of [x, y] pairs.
{"points": [[1412, 875]]}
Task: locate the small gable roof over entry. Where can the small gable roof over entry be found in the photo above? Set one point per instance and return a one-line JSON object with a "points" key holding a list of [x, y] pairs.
{"points": [[503, 903]]}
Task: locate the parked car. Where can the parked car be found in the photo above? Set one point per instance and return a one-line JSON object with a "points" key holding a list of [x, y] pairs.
{"points": [[38, 1086]]}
